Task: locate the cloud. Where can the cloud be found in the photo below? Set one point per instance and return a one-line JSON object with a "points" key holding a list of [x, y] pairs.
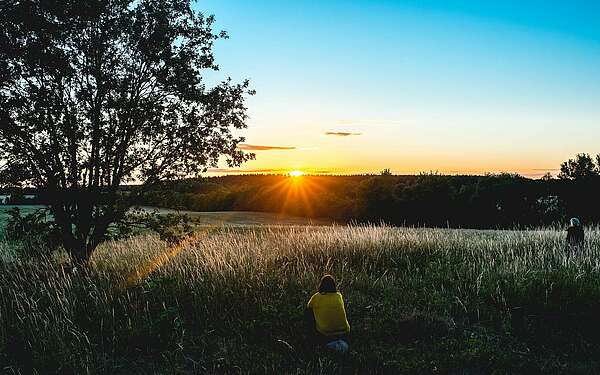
{"points": [[247, 147], [265, 171], [341, 134], [366, 122], [241, 171]]}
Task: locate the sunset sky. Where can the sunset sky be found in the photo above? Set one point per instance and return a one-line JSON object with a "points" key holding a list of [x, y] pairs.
{"points": [[448, 86]]}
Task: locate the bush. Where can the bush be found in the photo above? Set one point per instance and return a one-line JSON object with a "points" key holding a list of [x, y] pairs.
{"points": [[34, 233]]}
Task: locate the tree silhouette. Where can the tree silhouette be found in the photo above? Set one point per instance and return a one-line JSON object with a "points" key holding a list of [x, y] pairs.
{"points": [[98, 93], [580, 168]]}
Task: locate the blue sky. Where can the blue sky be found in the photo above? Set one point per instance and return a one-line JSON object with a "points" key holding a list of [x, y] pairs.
{"points": [[454, 86]]}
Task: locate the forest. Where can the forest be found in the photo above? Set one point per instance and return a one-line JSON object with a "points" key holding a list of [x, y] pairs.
{"points": [[429, 199], [489, 201]]}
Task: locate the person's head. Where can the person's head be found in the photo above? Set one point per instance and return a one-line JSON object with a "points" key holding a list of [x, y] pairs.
{"points": [[327, 285], [575, 222]]}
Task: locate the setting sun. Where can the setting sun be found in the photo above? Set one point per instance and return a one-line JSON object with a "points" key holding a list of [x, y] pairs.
{"points": [[296, 173]]}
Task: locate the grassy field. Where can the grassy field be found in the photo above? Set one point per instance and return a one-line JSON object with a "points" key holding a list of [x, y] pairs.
{"points": [[241, 218], [231, 300], [229, 218]]}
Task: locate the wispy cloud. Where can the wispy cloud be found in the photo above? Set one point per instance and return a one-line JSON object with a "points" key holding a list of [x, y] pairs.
{"points": [[247, 147], [266, 171], [341, 134], [241, 171], [362, 122]]}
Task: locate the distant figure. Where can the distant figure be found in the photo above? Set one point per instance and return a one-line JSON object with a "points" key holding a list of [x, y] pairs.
{"points": [[327, 316], [575, 236]]}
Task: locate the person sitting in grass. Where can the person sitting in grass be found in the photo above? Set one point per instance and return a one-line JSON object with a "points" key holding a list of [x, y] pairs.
{"points": [[327, 316], [575, 235]]}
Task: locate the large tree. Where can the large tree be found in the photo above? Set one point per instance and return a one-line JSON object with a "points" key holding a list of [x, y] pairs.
{"points": [[95, 94]]}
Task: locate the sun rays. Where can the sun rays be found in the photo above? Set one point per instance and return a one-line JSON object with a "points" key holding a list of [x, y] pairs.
{"points": [[295, 193]]}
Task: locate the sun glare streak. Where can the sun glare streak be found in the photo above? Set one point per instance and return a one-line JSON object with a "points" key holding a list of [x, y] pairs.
{"points": [[146, 269]]}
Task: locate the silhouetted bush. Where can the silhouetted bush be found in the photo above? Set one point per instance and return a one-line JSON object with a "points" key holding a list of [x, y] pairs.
{"points": [[33, 233]]}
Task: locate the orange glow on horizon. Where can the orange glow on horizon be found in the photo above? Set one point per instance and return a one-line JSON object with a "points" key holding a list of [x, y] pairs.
{"points": [[296, 173]]}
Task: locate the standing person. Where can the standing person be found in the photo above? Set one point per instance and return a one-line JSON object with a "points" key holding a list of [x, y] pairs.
{"points": [[575, 235], [327, 314]]}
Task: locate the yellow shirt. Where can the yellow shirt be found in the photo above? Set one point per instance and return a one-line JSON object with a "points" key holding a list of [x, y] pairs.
{"points": [[330, 314]]}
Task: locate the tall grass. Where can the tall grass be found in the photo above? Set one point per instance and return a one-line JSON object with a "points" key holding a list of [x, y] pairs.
{"points": [[231, 300]]}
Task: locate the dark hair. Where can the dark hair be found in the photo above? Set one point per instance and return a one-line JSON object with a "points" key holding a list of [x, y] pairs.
{"points": [[327, 285]]}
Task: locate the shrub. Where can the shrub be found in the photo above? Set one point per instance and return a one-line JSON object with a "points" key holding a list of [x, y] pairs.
{"points": [[34, 233]]}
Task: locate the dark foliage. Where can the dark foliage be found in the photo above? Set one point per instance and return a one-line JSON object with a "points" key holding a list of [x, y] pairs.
{"points": [[580, 168], [35, 233], [492, 201], [95, 94]]}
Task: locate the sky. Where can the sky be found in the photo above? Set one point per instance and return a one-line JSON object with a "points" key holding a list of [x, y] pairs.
{"points": [[457, 87]]}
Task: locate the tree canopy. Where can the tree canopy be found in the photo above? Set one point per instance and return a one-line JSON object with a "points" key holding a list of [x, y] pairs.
{"points": [[99, 93], [580, 168]]}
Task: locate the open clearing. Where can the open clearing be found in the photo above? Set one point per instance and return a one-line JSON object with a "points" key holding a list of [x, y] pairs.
{"points": [[230, 218], [221, 218], [242, 218]]}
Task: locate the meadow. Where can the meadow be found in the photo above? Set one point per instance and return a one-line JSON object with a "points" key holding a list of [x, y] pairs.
{"points": [[231, 300], [229, 218]]}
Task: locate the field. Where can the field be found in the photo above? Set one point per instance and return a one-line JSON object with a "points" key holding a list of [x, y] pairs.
{"points": [[241, 218], [231, 300], [228, 218]]}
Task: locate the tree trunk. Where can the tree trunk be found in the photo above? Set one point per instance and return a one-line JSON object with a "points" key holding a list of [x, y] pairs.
{"points": [[73, 239]]}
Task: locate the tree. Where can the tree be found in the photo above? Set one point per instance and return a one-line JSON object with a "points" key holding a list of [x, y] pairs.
{"points": [[375, 199], [580, 168], [99, 93]]}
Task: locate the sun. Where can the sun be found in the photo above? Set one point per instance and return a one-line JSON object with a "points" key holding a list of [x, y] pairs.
{"points": [[295, 173]]}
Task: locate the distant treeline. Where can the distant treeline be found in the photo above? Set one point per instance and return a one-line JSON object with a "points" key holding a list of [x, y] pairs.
{"points": [[491, 201]]}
